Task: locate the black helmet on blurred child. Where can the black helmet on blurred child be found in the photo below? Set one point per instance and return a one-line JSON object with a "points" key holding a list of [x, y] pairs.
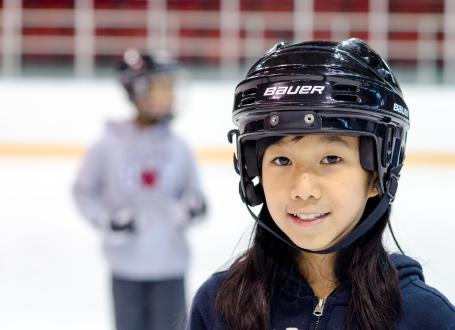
{"points": [[138, 72], [322, 87]]}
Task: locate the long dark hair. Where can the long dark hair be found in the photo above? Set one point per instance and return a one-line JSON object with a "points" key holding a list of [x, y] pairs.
{"points": [[244, 298]]}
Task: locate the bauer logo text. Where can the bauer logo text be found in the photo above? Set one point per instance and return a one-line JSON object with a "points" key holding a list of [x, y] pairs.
{"points": [[400, 109], [293, 90]]}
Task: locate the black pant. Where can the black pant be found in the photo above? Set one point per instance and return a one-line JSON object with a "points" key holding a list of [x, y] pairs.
{"points": [[149, 305]]}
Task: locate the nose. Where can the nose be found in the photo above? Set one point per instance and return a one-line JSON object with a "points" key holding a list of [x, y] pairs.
{"points": [[305, 187]]}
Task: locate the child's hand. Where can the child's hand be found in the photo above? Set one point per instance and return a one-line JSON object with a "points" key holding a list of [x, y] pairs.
{"points": [[123, 220], [121, 227]]}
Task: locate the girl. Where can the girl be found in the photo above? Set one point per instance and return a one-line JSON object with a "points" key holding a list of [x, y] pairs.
{"points": [[320, 144]]}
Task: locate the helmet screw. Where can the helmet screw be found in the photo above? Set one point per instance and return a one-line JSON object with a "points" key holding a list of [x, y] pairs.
{"points": [[309, 118], [274, 120]]}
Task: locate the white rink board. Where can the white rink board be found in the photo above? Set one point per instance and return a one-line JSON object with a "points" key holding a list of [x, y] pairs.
{"points": [[53, 275], [74, 111]]}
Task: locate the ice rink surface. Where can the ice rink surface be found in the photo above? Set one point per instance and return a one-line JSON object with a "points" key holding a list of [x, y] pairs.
{"points": [[52, 272]]}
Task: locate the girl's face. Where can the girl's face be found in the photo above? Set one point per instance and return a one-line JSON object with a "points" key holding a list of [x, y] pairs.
{"points": [[315, 188]]}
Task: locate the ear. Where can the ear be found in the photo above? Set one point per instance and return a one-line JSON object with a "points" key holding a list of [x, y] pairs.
{"points": [[373, 185]]}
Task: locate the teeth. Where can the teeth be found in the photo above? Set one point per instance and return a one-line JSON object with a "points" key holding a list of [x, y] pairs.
{"points": [[308, 216]]}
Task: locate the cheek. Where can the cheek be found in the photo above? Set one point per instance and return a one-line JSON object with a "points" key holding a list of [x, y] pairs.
{"points": [[349, 194], [267, 186], [273, 189], [353, 181]]}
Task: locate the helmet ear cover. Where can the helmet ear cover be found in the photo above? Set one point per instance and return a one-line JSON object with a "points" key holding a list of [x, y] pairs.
{"points": [[367, 150], [254, 194], [251, 158], [251, 193]]}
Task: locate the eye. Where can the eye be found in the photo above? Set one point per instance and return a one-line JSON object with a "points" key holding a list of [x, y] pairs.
{"points": [[329, 160], [281, 161]]}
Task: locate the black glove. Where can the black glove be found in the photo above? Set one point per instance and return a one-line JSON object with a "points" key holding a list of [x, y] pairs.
{"points": [[198, 211], [123, 221], [128, 227]]}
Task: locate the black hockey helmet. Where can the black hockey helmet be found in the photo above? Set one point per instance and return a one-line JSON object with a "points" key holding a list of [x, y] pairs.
{"points": [[322, 87], [136, 71]]}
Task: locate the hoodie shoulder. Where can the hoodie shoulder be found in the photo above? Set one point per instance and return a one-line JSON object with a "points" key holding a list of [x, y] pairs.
{"points": [[203, 315], [118, 127], [407, 268], [424, 307]]}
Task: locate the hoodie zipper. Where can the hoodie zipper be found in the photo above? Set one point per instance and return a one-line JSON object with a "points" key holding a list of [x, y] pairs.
{"points": [[318, 311]]}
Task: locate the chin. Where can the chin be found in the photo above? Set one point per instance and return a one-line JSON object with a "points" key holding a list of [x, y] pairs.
{"points": [[310, 245]]}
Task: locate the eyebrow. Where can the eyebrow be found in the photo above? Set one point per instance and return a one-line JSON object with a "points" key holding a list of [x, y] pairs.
{"points": [[334, 138], [324, 138]]}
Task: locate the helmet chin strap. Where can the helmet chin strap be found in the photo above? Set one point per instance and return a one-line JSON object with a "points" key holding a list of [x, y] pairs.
{"points": [[357, 232]]}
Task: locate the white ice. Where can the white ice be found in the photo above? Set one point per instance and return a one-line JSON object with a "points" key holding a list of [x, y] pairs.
{"points": [[52, 273]]}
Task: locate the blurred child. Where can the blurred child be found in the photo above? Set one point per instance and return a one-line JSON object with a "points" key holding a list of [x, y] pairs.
{"points": [[139, 186]]}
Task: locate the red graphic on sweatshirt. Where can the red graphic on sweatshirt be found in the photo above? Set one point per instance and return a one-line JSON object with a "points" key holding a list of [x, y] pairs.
{"points": [[149, 178]]}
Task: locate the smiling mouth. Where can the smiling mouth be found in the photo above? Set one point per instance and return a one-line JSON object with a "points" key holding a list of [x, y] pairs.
{"points": [[307, 217]]}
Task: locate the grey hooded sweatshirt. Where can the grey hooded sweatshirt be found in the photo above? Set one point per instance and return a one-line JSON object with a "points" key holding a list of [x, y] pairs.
{"points": [[150, 175]]}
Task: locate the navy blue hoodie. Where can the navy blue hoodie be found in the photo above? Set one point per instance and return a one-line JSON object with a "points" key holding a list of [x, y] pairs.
{"points": [[294, 306]]}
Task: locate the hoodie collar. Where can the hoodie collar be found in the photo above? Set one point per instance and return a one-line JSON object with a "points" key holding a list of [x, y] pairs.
{"points": [[291, 285]]}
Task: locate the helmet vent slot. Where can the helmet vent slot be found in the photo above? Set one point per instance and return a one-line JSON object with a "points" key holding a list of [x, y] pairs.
{"points": [[347, 98], [250, 92], [247, 100], [248, 96]]}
